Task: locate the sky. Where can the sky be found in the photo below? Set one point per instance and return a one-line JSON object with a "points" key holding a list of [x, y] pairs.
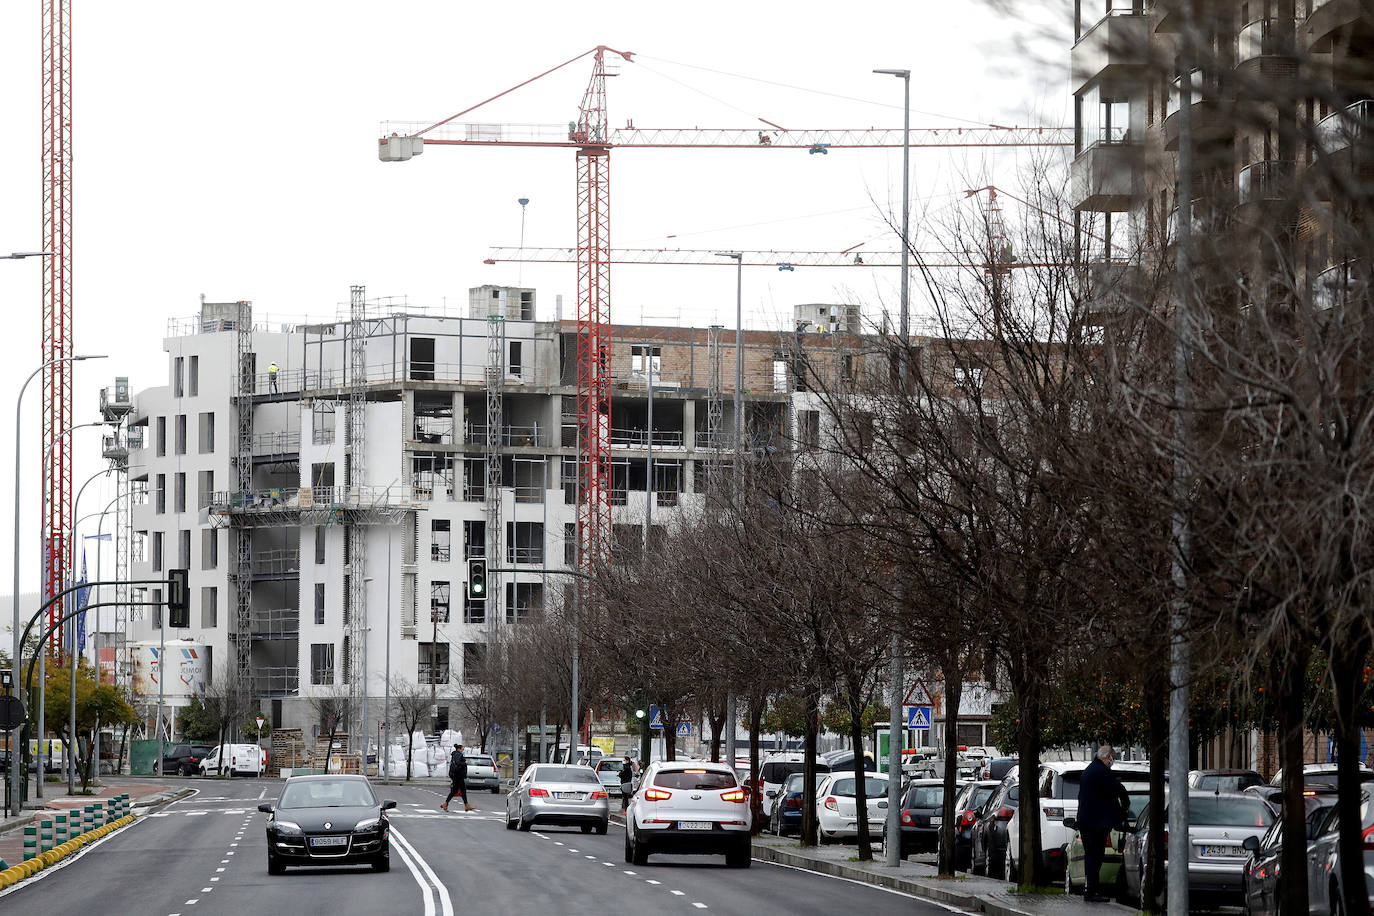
{"points": [[229, 151]]}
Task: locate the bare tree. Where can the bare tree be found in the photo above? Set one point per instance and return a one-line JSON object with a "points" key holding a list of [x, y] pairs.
{"points": [[412, 706], [331, 706]]}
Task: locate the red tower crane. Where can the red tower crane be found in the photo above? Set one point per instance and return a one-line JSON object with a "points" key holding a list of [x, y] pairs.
{"points": [[592, 140], [57, 292]]}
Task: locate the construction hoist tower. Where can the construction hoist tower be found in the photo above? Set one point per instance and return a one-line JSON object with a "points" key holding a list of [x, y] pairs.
{"points": [[355, 535], [242, 573], [713, 407], [496, 384]]}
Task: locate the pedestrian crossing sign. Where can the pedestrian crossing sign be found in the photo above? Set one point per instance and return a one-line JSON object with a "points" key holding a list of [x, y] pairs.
{"points": [[918, 717]]}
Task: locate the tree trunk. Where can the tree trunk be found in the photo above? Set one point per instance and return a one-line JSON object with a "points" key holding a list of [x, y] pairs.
{"points": [[717, 732], [410, 751], [1292, 673], [1347, 677], [756, 704], [813, 711], [954, 691], [856, 734], [1156, 711], [1028, 741]]}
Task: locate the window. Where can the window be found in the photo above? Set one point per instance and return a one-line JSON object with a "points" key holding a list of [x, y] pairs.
{"points": [[524, 601], [207, 433], [319, 603], [205, 487], [160, 496], [809, 429], [569, 543], [474, 661], [179, 492], [441, 719], [184, 554], [193, 379], [515, 365], [422, 359], [322, 475], [161, 436], [322, 664], [181, 434], [646, 360], [525, 542], [155, 596], [157, 551], [439, 540], [438, 602], [474, 611], [209, 548], [178, 377], [319, 545], [474, 539], [209, 607], [433, 663], [322, 422]]}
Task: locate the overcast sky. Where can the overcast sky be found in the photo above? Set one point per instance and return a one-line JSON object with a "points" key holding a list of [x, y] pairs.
{"points": [[229, 150]]}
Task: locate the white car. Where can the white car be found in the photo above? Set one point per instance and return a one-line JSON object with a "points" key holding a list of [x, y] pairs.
{"points": [[482, 773], [234, 759], [836, 817], [688, 806]]}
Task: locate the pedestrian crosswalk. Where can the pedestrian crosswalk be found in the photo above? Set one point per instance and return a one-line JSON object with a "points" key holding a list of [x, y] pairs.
{"points": [[413, 814]]}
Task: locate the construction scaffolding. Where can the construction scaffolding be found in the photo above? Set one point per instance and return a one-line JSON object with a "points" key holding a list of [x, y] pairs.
{"points": [[496, 379], [241, 535], [355, 536]]}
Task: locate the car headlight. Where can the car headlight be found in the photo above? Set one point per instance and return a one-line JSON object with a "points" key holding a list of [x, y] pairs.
{"points": [[369, 823], [287, 828]]}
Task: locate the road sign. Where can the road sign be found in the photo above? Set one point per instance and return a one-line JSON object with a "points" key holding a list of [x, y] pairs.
{"points": [[919, 695], [259, 720], [655, 719], [684, 729], [11, 712], [918, 717]]}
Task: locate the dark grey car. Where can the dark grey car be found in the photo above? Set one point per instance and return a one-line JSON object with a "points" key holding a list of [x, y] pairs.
{"points": [[327, 820]]}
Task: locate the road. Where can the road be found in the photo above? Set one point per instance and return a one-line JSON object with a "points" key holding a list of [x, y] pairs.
{"points": [[206, 855]]}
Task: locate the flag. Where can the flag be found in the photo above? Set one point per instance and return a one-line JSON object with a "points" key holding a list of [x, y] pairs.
{"points": [[83, 597]]}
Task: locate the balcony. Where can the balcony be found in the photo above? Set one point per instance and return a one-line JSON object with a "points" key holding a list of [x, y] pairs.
{"points": [[1336, 285], [506, 436], [1328, 21], [1209, 112], [277, 681], [1117, 46], [1106, 177], [1265, 50], [1270, 180], [1112, 288], [1341, 130], [1171, 16]]}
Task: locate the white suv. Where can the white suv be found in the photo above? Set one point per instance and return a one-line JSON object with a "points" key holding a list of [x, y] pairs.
{"points": [[238, 760], [1059, 799], [688, 806]]}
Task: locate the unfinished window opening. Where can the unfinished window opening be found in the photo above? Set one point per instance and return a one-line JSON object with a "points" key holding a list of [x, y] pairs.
{"points": [[525, 542], [474, 539], [322, 475], [474, 662], [433, 419], [439, 593], [646, 361], [322, 422], [440, 539], [515, 364], [524, 601], [433, 663], [431, 477], [529, 476], [422, 359]]}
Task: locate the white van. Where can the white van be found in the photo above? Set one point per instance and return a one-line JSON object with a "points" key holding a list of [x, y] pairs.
{"points": [[236, 760], [775, 769]]}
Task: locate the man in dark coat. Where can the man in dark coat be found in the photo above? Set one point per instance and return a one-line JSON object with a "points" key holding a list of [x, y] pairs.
{"points": [[457, 777], [1102, 807]]}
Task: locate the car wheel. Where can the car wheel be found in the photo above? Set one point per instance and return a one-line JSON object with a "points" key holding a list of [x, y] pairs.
{"points": [[629, 852], [382, 862], [602, 827], [510, 824], [233, 772], [183, 770], [274, 867], [639, 854], [1068, 881], [997, 869], [523, 824], [1010, 868], [495, 790], [586, 828]]}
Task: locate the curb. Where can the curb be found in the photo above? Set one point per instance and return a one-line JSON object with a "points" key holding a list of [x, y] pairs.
{"points": [[913, 886], [13, 875], [162, 798]]}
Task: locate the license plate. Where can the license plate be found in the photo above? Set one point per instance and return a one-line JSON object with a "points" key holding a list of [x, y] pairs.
{"points": [[1228, 851], [577, 796], [329, 841], [936, 821], [694, 825]]}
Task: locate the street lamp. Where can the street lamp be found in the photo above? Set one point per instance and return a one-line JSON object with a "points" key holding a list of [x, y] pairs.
{"points": [[16, 766], [71, 640], [893, 840], [738, 258]]}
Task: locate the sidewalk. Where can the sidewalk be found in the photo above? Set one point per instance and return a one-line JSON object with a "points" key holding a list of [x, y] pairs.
{"points": [[144, 793]]}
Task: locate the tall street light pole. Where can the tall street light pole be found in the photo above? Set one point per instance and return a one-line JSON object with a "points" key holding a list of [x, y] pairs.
{"points": [[893, 841], [16, 766], [71, 640], [738, 257]]}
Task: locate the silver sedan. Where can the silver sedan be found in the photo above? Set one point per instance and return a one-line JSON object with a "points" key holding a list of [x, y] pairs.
{"points": [[559, 794]]}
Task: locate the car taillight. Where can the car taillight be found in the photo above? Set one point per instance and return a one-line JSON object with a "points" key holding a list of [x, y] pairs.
{"points": [[598, 795], [906, 818], [732, 795], [1004, 814], [1368, 837], [967, 818], [792, 803], [1054, 814], [657, 795], [539, 793], [832, 804]]}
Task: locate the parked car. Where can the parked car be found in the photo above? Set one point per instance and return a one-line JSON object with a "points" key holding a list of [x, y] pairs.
{"points": [[1110, 874], [923, 807], [966, 806], [688, 807], [1230, 780], [987, 851], [561, 794], [327, 820], [184, 759], [235, 760], [1218, 824], [774, 770], [482, 773], [1323, 772], [1315, 795], [1260, 878], [998, 767], [1324, 860], [789, 804], [1058, 784], [844, 760], [608, 771], [837, 816]]}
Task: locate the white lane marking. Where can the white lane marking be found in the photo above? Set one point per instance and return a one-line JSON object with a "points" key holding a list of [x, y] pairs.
{"points": [[223, 862], [628, 872], [192, 901], [419, 879], [651, 881], [262, 794], [700, 906], [444, 900], [609, 864], [557, 843], [677, 893], [586, 857], [876, 887], [206, 890], [214, 879], [570, 849]]}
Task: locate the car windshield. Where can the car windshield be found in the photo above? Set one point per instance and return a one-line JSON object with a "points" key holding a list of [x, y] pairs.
{"points": [[874, 786], [1220, 811], [695, 779], [328, 793], [778, 771], [564, 774], [1138, 801], [480, 762], [1227, 782], [613, 764], [924, 797]]}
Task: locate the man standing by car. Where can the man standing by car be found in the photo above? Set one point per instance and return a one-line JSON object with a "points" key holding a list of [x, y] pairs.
{"points": [[1102, 807], [458, 778], [627, 776]]}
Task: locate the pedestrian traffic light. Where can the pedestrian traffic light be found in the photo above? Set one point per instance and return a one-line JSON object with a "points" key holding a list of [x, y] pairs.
{"points": [[477, 579], [179, 597]]}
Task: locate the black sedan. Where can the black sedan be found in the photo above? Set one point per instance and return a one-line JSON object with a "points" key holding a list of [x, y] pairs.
{"points": [[990, 829], [327, 820]]}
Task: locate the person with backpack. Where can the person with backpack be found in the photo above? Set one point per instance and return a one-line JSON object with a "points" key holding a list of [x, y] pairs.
{"points": [[457, 777]]}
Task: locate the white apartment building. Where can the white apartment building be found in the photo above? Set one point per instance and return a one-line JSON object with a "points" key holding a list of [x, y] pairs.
{"points": [[315, 547]]}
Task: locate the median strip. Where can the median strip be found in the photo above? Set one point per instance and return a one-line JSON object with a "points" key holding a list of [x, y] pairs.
{"points": [[50, 856]]}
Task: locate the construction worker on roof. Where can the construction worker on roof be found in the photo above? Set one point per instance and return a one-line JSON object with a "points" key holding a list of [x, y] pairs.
{"points": [[272, 371]]}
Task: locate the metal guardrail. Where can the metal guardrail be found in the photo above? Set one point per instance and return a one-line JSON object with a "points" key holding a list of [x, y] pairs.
{"points": [[276, 680], [509, 435], [276, 498], [278, 442], [282, 562]]}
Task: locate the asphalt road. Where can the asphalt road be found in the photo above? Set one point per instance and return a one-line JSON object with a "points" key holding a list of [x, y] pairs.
{"points": [[207, 854]]}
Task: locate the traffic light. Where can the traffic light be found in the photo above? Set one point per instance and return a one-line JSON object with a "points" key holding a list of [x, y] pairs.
{"points": [[179, 598], [477, 579]]}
